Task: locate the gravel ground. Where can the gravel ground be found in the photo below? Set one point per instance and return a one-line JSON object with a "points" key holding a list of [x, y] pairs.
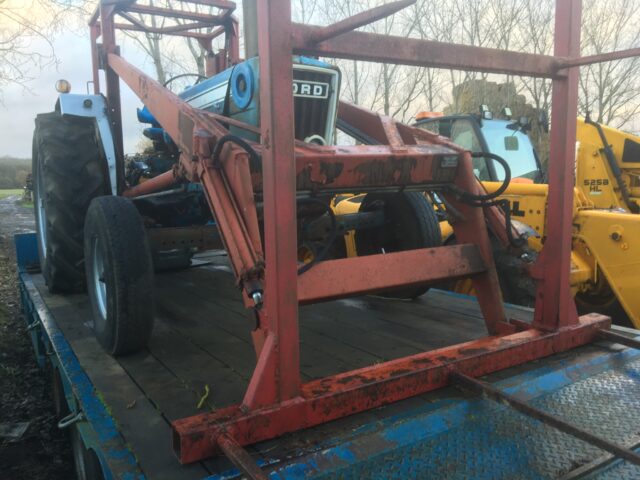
{"points": [[43, 451]]}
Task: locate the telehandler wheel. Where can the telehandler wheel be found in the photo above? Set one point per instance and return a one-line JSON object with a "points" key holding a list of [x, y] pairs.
{"points": [[410, 223], [605, 305], [119, 275], [68, 172]]}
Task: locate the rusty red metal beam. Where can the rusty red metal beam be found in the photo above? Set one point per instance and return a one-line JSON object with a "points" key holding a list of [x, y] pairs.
{"points": [[155, 184], [357, 21], [373, 47], [240, 458], [94, 31], [599, 58], [367, 167], [135, 28], [326, 280], [136, 22], [280, 317], [109, 48], [186, 26], [222, 4], [212, 20], [329, 398], [555, 306], [614, 337]]}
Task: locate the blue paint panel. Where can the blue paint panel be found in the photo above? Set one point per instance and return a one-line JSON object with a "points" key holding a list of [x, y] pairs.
{"points": [[26, 251], [106, 438], [475, 438]]}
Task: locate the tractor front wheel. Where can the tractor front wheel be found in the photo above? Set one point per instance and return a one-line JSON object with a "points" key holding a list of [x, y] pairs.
{"points": [[119, 273]]}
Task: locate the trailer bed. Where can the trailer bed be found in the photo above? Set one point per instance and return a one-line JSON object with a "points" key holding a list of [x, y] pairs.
{"points": [[201, 357]]}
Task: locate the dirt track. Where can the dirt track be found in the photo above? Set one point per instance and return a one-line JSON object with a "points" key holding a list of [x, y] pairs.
{"points": [[43, 451]]}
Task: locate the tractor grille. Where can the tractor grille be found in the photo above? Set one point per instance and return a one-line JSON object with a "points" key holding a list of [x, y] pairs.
{"points": [[311, 114]]}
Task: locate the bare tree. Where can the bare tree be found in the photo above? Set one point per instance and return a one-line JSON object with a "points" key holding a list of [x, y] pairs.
{"points": [[355, 74], [536, 34], [304, 11], [611, 91], [150, 42], [172, 55], [25, 23], [434, 24]]}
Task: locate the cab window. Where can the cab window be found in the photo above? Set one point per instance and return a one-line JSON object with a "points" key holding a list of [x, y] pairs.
{"points": [[461, 132]]}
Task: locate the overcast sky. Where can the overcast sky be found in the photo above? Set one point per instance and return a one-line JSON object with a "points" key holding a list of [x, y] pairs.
{"points": [[20, 106]]}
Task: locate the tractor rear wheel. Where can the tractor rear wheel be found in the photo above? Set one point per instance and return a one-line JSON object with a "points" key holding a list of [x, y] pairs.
{"points": [[410, 223], [119, 273], [69, 171]]}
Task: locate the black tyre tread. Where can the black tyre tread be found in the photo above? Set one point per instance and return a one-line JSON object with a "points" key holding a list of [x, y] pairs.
{"points": [[131, 303], [611, 308], [430, 234], [416, 208], [73, 168], [427, 219]]}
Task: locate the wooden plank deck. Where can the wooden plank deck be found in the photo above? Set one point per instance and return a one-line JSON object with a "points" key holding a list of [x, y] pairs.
{"points": [[202, 340]]}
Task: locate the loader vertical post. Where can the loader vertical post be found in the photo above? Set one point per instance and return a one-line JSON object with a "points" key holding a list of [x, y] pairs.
{"points": [[112, 81], [95, 63], [276, 124], [554, 303]]}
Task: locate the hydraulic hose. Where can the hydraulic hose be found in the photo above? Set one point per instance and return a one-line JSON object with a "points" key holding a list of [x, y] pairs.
{"points": [[613, 165], [254, 158], [491, 199], [468, 197]]}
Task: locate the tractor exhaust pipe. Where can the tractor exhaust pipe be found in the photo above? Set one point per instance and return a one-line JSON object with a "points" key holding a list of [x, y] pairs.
{"points": [[250, 22]]}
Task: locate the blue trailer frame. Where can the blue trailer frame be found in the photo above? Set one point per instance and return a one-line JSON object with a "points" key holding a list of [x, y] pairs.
{"points": [[95, 424], [596, 387]]}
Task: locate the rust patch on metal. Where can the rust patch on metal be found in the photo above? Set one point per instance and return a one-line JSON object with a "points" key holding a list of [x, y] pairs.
{"points": [[331, 171], [390, 171], [473, 351], [185, 125]]}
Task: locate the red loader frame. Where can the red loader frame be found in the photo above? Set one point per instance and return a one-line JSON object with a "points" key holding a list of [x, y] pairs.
{"points": [[276, 401]]}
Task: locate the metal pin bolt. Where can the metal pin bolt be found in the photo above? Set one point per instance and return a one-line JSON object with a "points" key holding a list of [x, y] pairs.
{"points": [[70, 419], [257, 299]]}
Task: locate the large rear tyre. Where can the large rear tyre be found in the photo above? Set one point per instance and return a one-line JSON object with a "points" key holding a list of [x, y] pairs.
{"points": [[410, 223], [119, 275], [69, 171]]}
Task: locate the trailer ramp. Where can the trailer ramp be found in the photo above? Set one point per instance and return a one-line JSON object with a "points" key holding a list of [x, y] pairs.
{"points": [[595, 388]]}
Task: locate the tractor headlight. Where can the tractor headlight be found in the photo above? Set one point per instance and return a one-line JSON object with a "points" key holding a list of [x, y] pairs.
{"points": [[63, 86]]}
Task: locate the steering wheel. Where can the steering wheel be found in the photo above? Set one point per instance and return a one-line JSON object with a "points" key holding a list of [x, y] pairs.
{"points": [[199, 77]]}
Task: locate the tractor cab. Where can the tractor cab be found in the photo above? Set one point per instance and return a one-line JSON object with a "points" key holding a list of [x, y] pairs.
{"points": [[482, 133]]}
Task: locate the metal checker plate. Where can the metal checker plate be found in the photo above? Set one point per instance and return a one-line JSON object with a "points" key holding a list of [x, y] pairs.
{"points": [[479, 439]]}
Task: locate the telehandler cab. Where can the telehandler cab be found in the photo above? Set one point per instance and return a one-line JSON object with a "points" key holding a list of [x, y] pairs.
{"points": [[606, 229]]}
